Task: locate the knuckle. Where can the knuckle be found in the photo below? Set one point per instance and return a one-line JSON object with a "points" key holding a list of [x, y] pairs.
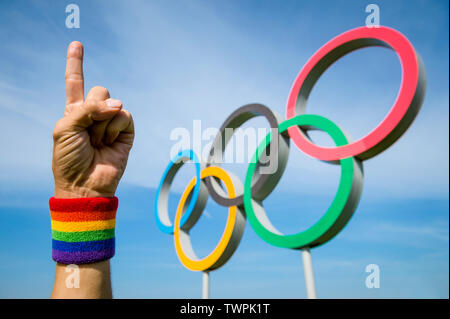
{"points": [[73, 76], [127, 114], [100, 91], [90, 105]]}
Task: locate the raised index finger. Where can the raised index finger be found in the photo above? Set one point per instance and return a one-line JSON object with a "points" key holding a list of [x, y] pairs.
{"points": [[74, 74]]}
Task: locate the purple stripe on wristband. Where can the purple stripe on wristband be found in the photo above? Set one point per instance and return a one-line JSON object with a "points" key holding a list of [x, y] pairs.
{"points": [[82, 257]]}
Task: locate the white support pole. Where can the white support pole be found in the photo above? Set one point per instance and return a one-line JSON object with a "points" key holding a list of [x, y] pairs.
{"points": [[205, 285], [309, 274]]}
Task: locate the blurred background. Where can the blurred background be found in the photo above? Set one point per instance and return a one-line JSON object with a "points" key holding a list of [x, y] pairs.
{"points": [[173, 62]]}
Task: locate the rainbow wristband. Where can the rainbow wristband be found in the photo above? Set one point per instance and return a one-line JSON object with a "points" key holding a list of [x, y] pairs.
{"points": [[83, 229]]}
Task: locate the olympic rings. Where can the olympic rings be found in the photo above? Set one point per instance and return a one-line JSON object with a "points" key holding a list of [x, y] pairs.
{"points": [[263, 183], [399, 118], [337, 215], [243, 202], [231, 236]]}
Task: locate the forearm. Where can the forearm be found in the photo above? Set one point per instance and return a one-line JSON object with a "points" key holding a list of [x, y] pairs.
{"points": [[83, 281]]}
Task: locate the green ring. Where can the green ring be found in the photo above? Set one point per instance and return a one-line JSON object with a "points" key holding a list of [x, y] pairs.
{"points": [[340, 210]]}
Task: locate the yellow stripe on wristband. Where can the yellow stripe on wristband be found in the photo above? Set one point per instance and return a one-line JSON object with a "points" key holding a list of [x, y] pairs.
{"points": [[83, 226]]}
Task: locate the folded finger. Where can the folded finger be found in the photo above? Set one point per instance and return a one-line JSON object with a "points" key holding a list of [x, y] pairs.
{"points": [[122, 123], [97, 130]]}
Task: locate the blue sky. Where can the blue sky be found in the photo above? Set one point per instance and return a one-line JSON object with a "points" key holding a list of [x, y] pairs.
{"points": [[172, 62]]}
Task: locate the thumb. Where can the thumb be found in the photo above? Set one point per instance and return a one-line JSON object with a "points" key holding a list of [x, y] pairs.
{"points": [[93, 110], [81, 118]]}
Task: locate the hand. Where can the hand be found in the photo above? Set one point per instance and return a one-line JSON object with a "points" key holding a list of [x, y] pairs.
{"points": [[92, 141]]}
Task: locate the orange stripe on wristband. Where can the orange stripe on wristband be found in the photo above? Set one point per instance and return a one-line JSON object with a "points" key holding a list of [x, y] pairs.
{"points": [[81, 216]]}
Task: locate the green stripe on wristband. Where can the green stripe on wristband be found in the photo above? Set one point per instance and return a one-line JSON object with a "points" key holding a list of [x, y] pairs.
{"points": [[92, 235]]}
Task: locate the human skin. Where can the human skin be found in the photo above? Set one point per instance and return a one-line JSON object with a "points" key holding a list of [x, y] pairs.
{"points": [[91, 144]]}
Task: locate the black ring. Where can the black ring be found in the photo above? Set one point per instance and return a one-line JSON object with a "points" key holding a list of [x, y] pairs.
{"points": [[263, 183]]}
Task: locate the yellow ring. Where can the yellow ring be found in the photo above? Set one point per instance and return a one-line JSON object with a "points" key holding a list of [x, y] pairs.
{"points": [[209, 261]]}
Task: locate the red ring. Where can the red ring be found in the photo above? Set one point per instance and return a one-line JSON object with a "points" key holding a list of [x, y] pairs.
{"points": [[395, 123]]}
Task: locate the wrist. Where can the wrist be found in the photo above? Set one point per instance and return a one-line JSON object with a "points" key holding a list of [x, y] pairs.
{"points": [[79, 192]]}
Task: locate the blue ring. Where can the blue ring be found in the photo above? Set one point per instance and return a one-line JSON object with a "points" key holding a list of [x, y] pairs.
{"points": [[185, 154]]}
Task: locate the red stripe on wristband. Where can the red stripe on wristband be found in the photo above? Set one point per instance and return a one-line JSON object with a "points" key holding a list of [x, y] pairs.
{"points": [[91, 204]]}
